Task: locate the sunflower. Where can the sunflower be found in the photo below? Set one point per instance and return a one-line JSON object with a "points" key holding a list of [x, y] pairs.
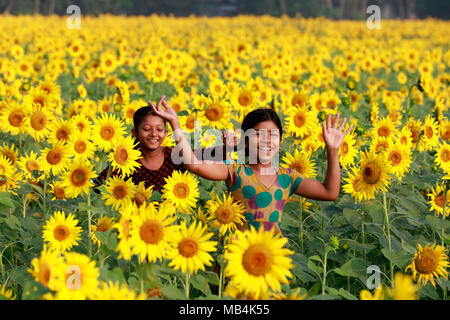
{"points": [[190, 247], [216, 113], [9, 152], [217, 87], [429, 262], [114, 291], [120, 192], [81, 123], [182, 190], [244, 99], [403, 288], [301, 121], [81, 277], [80, 146], [293, 295], [416, 128], [150, 231], [39, 121], [404, 137], [102, 225], [14, 118], [442, 157], [48, 269], [384, 128], [301, 162], [444, 129], [106, 131], [348, 150], [234, 292], [55, 159], [142, 194], [399, 157], [77, 180], [29, 165], [375, 169], [378, 294], [437, 200], [6, 293], [124, 156], [430, 134], [380, 144], [58, 190], [258, 261], [123, 228], [227, 213], [188, 123], [61, 232], [60, 130]]}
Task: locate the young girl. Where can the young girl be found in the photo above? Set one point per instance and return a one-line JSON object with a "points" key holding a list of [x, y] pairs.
{"points": [[156, 163], [259, 185]]}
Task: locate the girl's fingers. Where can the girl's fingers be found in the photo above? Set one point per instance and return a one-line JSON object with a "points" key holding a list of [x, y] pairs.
{"points": [[328, 121], [158, 105], [343, 124], [336, 121], [347, 131]]}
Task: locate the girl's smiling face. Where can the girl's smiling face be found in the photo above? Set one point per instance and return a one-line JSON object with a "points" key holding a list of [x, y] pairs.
{"points": [[265, 140], [151, 132]]}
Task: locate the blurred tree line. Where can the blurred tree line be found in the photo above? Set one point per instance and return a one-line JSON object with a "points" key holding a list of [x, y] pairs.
{"points": [[334, 9]]}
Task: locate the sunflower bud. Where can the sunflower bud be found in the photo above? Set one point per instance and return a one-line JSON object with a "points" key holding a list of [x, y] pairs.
{"points": [[420, 84], [334, 241], [351, 84], [322, 116]]}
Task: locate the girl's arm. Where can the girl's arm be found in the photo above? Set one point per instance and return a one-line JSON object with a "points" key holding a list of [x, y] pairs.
{"points": [[329, 189], [206, 169]]}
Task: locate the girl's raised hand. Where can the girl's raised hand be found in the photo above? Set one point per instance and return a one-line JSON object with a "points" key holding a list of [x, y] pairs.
{"points": [[333, 135], [168, 113]]}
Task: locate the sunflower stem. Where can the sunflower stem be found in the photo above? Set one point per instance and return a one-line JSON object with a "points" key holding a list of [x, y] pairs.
{"points": [[443, 217], [220, 282], [388, 232], [301, 226], [324, 278], [44, 200], [186, 285], [89, 222], [24, 211]]}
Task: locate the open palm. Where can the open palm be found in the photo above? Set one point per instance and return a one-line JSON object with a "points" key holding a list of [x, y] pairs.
{"points": [[333, 135], [168, 113]]}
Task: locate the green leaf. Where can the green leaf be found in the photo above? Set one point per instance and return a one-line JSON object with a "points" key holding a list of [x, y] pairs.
{"points": [[353, 218], [399, 258], [114, 275], [172, 292], [108, 238], [12, 222], [156, 196], [355, 268], [33, 290], [200, 282], [6, 200], [438, 223]]}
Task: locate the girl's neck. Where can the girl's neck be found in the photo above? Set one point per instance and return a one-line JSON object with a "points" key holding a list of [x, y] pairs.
{"points": [[266, 168], [152, 154]]}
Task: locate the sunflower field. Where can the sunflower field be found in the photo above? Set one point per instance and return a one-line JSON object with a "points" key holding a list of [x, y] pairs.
{"points": [[67, 99]]}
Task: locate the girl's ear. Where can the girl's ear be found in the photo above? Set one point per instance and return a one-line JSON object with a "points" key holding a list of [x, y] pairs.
{"points": [[133, 133]]}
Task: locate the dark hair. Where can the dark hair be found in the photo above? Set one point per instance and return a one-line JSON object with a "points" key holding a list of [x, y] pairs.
{"points": [[261, 115], [141, 113], [138, 116], [256, 116]]}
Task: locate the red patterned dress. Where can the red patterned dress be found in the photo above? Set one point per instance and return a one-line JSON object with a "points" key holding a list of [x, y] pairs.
{"points": [[153, 178]]}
